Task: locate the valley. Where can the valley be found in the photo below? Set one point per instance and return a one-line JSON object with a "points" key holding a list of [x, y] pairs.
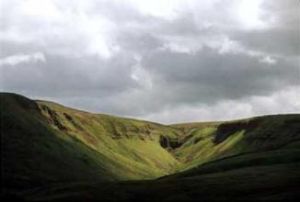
{"points": [[53, 152]]}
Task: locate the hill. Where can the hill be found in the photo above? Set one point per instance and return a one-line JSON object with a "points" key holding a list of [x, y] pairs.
{"points": [[49, 151]]}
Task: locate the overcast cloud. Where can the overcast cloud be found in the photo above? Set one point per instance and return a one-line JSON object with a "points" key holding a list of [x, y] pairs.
{"points": [[163, 60]]}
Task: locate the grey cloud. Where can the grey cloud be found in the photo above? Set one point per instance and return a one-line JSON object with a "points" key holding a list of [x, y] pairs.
{"points": [[283, 36], [208, 76], [11, 48], [77, 76], [68, 77], [138, 42], [284, 42], [285, 13]]}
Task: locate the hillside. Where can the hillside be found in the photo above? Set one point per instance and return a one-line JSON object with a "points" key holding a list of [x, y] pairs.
{"points": [[211, 141], [120, 148], [50, 151]]}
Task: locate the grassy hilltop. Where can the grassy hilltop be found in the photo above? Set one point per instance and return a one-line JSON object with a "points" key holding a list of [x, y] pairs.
{"points": [[49, 151]]}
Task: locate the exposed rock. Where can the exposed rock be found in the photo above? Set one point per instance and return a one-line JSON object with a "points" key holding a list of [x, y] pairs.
{"points": [[169, 143], [54, 118], [226, 129], [72, 121]]}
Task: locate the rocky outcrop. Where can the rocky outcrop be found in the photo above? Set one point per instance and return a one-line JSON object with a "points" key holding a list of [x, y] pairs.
{"points": [[53, 117], [170, 143], [226, 129]]}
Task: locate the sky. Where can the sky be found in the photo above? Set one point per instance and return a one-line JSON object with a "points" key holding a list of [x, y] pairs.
{"points": [[161, 60]]}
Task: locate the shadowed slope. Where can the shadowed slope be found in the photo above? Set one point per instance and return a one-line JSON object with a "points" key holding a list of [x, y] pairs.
{"points": [[34, 154], [47, 137], [211, 141], [49, 151]]}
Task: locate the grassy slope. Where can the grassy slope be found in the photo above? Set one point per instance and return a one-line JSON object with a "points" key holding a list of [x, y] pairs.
{"points": [[271, 175], [46, 144], [132, 144], [267, 181], [43, 140], [35, 155], [211, 141]]}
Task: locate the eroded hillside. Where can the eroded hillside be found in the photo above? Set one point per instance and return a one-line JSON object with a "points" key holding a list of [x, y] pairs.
{"points": [[134, 145], [44, 142]]}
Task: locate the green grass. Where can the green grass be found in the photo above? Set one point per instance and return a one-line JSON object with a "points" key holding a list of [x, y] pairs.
{"points": [[131, 143], [275, 182], [267, 158], [115, 148], [241, 136], [49, 151]]}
